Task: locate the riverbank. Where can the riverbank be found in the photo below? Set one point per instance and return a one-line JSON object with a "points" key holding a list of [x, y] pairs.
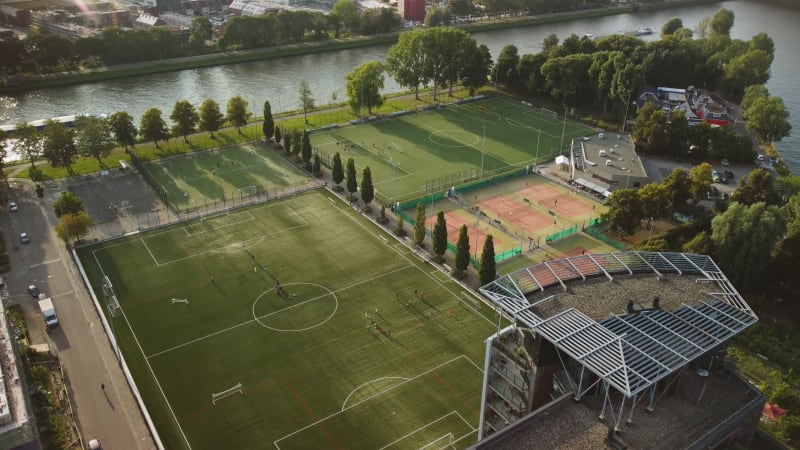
{"points": [[216, 59]]}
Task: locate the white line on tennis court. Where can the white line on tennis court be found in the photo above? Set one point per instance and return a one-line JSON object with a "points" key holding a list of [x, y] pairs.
{"points": [[368, 398], [422, 428], [148, 251], [233, 327]]}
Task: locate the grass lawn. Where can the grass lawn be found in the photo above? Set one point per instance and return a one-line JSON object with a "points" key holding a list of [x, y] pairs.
{"points": [[220, 175], [430, 151], [366, 346]]}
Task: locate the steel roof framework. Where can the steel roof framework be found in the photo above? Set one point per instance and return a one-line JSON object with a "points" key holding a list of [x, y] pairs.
{"points": [[629, 352]]}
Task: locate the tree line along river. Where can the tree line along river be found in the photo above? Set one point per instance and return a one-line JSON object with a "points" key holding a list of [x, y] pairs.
{"points": [[278, 80]]}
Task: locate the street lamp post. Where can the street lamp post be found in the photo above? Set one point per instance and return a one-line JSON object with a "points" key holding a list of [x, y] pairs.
{"points": [[538, 138], [563, 130], [627, 177], [483, 152]]}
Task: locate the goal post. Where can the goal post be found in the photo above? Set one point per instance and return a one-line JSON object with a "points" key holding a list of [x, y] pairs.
{"points": [[215, 213], [446, 441], [217, 396], [185, 301], [550, 113], [248, 191], [113, 306]]}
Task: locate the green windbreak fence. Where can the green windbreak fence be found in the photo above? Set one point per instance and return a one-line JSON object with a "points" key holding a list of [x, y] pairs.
{"points": [[561, 234], [437, 189], [592, 231]]}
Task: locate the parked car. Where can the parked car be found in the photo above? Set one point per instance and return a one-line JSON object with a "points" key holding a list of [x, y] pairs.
{"points": [[13, 207], [34, 291], [729, 174], [23, 237], [760, 157], [715, 176], [725, 162]]}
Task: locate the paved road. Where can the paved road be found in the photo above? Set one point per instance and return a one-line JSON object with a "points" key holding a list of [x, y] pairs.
{"points": [[110, 415]]}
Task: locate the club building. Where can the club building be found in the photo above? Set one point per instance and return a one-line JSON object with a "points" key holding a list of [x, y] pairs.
{"points": [[617, 350], [605, 162]]}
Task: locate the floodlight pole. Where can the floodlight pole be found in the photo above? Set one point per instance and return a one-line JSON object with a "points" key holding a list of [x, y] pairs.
{"points": [[483, 152], [563, 130], [538, 138]]}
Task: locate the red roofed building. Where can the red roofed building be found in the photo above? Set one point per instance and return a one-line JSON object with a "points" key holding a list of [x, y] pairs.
{"points": [[411, 9]]}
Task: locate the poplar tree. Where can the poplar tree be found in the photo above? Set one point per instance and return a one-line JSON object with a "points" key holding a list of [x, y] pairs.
{"points": [[488, 270]]}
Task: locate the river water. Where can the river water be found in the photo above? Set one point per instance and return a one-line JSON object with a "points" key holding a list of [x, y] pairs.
{"points": [[278, 80]]}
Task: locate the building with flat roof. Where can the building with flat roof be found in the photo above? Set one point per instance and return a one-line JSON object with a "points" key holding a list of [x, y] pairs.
{"points": [[608, 160], [619, 350]]}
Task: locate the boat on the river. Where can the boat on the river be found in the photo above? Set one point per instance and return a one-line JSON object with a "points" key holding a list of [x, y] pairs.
{"points": [[68, 121]]}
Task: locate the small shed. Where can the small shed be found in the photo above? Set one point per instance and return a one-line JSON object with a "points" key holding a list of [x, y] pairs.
{"points": [[562, 162]]}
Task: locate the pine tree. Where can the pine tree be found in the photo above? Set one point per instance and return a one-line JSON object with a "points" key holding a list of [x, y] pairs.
{"points": [[439, 237], [287, 143], [317, 169], [337, 172], [297, 143], [306, 147], [367, 189], [400, 230], [462, 249], [277, 134], [268, 126], [488, 270], [352, 184], [419, 225]]}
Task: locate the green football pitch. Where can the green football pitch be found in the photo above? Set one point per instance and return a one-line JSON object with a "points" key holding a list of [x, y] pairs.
{"points": [[209, 179], [416, 154], [365, 345]]}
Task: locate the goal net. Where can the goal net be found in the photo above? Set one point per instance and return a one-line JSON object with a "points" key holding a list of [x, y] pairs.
{"points": [[113, 306], [217, 396], [444, 442], [550, 113], [248, 191], [216, 213]]}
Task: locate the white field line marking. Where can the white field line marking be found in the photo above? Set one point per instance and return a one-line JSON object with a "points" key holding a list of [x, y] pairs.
{"points": [[368, 398], [149, 367], [472, 146], [368, 382], [465, 421], [419, 429], [148, 251], [216, 228], [274, 312]]}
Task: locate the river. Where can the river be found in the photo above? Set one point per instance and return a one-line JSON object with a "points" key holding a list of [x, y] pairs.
{"points": [[278, 80]]}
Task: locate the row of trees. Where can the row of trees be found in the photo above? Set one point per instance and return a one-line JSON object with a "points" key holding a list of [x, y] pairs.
{"points": [[47, 53], [753, 238]]}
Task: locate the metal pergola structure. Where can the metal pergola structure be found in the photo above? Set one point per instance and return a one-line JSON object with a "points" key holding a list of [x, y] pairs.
{"points": [[632, 352]]}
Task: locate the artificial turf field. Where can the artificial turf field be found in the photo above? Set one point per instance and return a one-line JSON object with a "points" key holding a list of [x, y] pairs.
{"points": [[210, 178], [347, 356], [433, 150]]}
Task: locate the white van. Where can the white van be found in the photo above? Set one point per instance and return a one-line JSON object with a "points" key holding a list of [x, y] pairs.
{"points": [[602, 153]]}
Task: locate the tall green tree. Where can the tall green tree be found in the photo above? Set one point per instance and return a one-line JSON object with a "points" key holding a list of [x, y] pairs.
{"points": [[678, 189], [419, 225], [768, 119], [757, 186], [462, 249], [345, 12], [185, 119], [367, 188], [700, 245], [488, 270], [625, 211], [29, 141], [654, 200], [744, 237], [337, 171], [316, 169], [672, 25], [287, 142], [67, 203], [152, 127], [199, 32], [297, 143], [364, 86], [722, 22], [58, 145], [94, 137], [211, 118], [73, 226], [277, 134], [124, 131], [351, 184], [505, 71], [306, 99], [237, 112], [477, 69], [306, 147], [649, 128], [439, 236], [751, 94], [268, 126], [700, 181], [405, 61], [3, 149]]}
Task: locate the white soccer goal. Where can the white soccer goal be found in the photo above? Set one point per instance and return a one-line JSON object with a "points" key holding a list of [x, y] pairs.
{"points": [[216, 213], [126, 211], [397, 147], [551, 113], [113, 306], [443, 442], [215, 397], [185, 301]]}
